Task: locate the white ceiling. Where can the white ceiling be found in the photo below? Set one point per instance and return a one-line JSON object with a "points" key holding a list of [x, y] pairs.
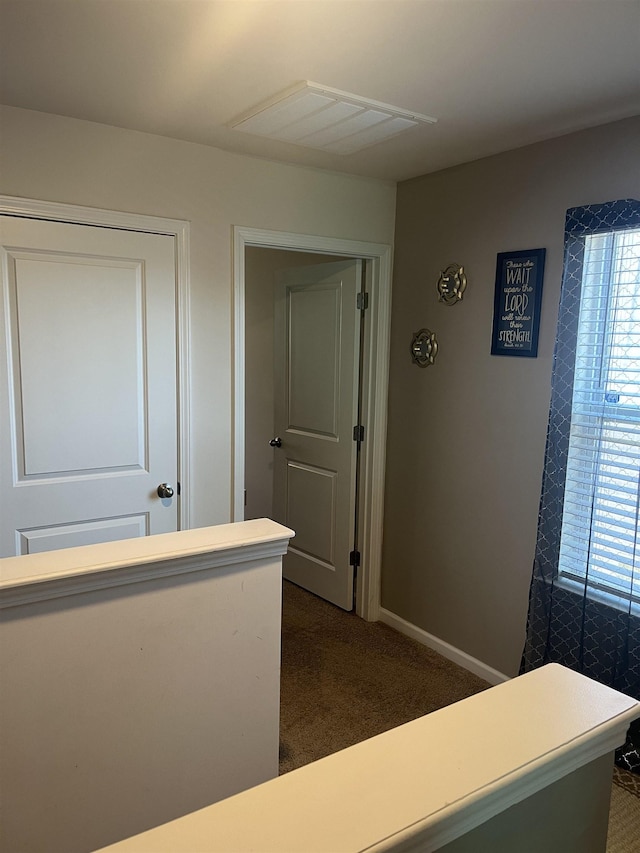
{"points": [[497, 74]]}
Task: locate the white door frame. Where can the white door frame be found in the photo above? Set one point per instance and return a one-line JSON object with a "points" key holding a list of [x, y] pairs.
{"points": [[375, 389], [179, 230]]}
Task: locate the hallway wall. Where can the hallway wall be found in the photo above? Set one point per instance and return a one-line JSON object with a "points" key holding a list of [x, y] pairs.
{"points": [[60, 159], [466, 436]]}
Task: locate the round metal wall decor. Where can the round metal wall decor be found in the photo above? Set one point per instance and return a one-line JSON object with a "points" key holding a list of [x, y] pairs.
{"points": [[424, 348], [452, 284]]}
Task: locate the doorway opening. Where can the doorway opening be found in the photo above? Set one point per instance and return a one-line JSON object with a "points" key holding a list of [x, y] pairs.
{"points": [[257, 254]]}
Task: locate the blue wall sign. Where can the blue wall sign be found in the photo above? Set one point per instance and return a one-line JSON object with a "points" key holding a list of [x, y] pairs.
{"points": [[517, 301]]}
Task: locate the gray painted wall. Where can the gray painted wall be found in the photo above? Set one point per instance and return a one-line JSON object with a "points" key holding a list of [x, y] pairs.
{"points": [[466, 436]]}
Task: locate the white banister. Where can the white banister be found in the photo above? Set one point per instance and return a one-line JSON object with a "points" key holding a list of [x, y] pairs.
{"points": [[52, 574], [524, 766], [140, 681]]}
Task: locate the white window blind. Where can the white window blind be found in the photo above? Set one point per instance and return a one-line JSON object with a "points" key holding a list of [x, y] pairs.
{"points": [[599, 540]]}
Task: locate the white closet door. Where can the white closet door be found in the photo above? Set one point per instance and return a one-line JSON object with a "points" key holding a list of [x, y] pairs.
{"points": [[88, 387]]}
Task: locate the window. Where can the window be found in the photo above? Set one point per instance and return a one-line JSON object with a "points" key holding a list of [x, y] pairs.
{"points": [[584, 599], [599, 542]]}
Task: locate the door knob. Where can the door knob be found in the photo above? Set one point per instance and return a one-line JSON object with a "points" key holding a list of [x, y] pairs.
{"points": [[165, 490], [276, 442]]}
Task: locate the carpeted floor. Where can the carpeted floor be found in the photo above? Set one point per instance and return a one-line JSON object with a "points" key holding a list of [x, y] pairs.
{"points": [[345, 680]]}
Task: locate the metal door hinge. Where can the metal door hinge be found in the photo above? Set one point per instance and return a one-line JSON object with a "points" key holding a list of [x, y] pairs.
{"points": [[358, 433], [354, 558], [362, 301]]}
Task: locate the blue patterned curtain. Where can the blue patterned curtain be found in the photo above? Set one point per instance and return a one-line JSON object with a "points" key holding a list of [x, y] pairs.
{"points": [[574, 619]]}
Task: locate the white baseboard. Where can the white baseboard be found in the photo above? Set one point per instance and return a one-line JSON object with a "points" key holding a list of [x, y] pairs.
{"points": [[477, 667]]}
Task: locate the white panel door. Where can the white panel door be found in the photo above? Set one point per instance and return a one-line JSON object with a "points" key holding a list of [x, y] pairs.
{"points": [[316, 384], [88, 416]]}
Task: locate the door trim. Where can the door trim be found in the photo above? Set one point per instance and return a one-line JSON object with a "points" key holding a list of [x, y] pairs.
{"points": [[179, 230], [375, 388]]}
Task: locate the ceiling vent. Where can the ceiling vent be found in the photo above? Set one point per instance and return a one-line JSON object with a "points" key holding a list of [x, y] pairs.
{"points": [[320, 117]]}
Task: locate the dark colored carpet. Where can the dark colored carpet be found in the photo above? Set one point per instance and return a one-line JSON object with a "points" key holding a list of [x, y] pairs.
{"points": [[345, 680]]}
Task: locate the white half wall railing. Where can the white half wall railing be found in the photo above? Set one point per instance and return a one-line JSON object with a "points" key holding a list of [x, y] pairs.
{"points": [[139, 680], [139, 709], [524, 767]]}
